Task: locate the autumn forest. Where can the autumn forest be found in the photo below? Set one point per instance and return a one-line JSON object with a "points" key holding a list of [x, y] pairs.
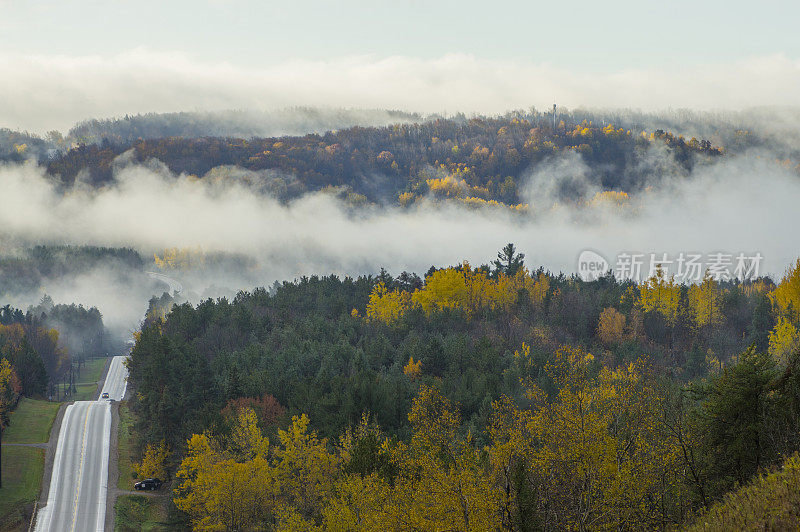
{"points": [[321, 333], [474, 398], [399, 266]]}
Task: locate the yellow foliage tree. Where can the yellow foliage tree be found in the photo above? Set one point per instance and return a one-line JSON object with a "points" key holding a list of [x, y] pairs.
{"points": [[360, 503], [448, 186], [386, 306], [479, 292], [179, 258], [152, 464], [8, 390], [526, 366], [405, 199], [611, 326], [596, 457], [705, 300], [444, 288], [786, 296], [473, 290], [442, 484], [247, 442], [241, 487], [538, 288], [12, 335], [221, 491], [413, 369], [783, 340], [609, 199], [660, 295], [507, 288], [305, 471]]}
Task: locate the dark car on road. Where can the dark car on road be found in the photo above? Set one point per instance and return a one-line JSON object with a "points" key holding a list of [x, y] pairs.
{"points": [[148, 484], [105, 395]]}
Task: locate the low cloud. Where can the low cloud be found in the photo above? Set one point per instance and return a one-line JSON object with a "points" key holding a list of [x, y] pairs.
{"points": [[742, 204], [738, 204], [42, 92]]}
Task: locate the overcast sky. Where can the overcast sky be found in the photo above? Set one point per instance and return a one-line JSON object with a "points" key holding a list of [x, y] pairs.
{"points": [[59, 60]]}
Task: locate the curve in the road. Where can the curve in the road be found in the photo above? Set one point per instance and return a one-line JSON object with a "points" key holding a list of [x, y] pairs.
{"points": [[174, 285]]}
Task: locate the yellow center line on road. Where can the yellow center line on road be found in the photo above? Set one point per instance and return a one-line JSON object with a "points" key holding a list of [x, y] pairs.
{"points": [[80, 470]]}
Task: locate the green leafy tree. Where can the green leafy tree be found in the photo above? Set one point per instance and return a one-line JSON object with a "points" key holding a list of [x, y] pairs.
{"points": [[30, 369]]}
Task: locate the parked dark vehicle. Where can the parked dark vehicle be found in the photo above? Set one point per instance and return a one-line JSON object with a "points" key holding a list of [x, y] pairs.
{"points": [[148, 484]]}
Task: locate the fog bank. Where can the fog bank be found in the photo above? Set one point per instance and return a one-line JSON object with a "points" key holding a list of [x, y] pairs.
{"points": [[745, 203], [46, 92]]}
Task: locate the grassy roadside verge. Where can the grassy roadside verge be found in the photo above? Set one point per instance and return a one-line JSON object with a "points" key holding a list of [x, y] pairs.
{"points": [[125, 448], [22, 477], [88, 378], [137, 512], [31, 421]]}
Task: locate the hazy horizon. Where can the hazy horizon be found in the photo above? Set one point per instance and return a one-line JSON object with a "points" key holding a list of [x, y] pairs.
{"points": [[62, 63]]}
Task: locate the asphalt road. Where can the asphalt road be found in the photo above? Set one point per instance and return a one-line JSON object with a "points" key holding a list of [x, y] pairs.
{"points": [[79, 483]]}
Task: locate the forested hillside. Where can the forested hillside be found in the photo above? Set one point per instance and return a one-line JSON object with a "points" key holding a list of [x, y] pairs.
{"points": [[238, 124], [471, 399], [473, 160], [28, 269], [17, 146]]}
